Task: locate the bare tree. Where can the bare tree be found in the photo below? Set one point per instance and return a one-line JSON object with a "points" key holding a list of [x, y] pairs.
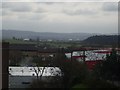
{"points": [[39, 72]]}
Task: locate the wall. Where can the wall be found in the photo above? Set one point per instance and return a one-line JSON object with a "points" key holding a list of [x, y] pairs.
{"points": [[5, 63], [0, 66]]}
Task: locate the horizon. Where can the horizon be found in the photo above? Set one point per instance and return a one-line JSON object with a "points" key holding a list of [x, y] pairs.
{"points": [[62, 32]]}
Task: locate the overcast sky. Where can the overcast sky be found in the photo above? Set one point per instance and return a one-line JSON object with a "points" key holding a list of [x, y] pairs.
{"points": [[68, 17]]}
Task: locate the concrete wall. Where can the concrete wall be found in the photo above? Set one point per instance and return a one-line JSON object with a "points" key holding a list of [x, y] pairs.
{"points": [[18, 81]]}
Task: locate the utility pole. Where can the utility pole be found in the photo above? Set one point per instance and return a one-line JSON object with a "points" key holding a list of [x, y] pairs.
{"points": [[37, 46], [84, 55], [71, 55]]}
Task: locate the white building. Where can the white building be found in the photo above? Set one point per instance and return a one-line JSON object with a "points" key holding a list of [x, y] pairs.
{"points": [[26, 39], [22, 77]]}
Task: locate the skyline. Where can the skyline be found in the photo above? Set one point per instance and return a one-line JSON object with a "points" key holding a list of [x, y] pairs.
{"points": [[61, 17]]}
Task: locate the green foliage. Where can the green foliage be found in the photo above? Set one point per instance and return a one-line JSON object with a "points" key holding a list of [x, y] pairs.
{"points": [[96, 83], [42, 61], [73, 72], [78, 86], [76, 75], [102, 40], [15, 58], [109, 69], [50, 83], [18, 41], [37, 60]]}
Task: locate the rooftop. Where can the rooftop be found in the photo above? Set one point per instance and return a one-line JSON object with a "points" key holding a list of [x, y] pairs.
{"points": [[30, 71]]}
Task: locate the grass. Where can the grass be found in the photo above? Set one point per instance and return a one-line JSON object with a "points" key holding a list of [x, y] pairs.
{"points": [[12, 41], [80, 86], [51, 44]]}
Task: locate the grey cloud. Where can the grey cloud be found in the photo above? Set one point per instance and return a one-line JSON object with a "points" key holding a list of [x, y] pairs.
{"points": [[36, 17], [111, 6], [5, 5], [22, 9], [118, 6], [5, 9], [49, 3], [4, 13], [79, 12], [79, 9], [17, 7], [40, 10]]}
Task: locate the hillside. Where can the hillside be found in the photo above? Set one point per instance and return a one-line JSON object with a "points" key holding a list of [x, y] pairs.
{"points": [[44, 35], [102, 40]]}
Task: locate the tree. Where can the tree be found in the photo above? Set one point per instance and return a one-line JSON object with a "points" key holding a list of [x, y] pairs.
{"points": [[41, 67], [37, 61], [15, 58], [109, 69], [72, 71], [14, 38]]}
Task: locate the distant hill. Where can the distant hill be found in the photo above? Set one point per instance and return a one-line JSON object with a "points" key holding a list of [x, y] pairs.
{"points": [[102, 40], [45, 35]]}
